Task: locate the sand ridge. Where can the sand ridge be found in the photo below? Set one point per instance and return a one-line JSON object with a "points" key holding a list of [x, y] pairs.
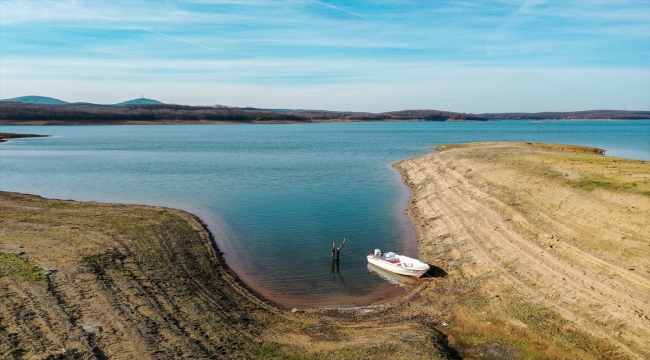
{"points": [[515, 213]]}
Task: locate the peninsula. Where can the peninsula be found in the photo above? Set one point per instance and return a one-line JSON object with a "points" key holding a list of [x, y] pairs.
{"points": [[6, 136], [543, 250]]}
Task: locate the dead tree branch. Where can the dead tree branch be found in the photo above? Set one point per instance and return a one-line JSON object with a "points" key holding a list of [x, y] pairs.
{"points": [[336, 252], [343, 243]]}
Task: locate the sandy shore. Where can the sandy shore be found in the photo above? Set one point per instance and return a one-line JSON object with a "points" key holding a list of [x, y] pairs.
{"points": [[543, 253], [560, 227]]}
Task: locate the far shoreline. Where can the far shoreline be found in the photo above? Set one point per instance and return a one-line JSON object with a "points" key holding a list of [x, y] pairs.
{"points": [[218, 122], [281, 122]]}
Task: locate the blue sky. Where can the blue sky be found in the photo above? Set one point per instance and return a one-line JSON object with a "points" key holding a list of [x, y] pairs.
{"points": [[469, 56]]}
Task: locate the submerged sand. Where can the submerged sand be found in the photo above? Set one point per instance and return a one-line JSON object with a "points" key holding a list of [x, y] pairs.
{"points": [[541, 251]]}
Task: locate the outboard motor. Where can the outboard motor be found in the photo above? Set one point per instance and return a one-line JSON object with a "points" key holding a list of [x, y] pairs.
{"points": [[377, 253]]}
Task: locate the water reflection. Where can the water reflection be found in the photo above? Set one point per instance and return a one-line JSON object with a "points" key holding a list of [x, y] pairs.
{"points": [[336, 272], [401, 280]]}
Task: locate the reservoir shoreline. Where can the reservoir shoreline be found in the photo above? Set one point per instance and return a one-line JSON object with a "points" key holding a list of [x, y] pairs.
{"points": [[37, 123], [469, 226]]}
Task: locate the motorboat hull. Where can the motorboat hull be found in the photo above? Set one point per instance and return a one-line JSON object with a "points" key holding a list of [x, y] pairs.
{"points": [[399, 268], [393, 278]]}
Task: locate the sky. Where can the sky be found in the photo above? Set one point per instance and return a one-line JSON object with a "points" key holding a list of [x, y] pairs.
{"points": [[466, 56]]}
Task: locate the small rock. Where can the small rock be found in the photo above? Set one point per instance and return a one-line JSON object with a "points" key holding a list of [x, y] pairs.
{"points": [[91, 329], [294, 310], [444, 324]]}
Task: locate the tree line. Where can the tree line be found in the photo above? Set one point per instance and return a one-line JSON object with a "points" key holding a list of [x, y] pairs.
{"points": [[14, 112]]}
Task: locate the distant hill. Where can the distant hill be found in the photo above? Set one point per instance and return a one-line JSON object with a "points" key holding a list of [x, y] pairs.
{"points": [[140, 101], [44, 100], [33, 99]]}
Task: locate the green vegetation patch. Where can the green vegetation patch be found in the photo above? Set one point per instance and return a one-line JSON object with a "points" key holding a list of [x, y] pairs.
{"points": [[511, 265], [597, 181], [125, 273], [22, 269], [547, 335], [545, 146], [549, 323], [617, 175]]}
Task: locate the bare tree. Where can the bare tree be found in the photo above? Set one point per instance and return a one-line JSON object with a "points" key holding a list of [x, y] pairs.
{"points": [[336, 252]]}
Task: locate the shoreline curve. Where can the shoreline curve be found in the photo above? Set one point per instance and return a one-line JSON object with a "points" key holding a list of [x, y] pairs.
{"points": [[141, 281]]}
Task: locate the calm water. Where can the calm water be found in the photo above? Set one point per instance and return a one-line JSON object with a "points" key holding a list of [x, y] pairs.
{"points": [[275, 195]]}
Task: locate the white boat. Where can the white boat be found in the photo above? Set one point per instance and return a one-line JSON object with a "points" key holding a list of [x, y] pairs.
{"points": [[398, 264]]}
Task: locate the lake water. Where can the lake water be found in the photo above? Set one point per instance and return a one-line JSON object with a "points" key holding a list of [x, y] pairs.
{"points": [[275, 196]]}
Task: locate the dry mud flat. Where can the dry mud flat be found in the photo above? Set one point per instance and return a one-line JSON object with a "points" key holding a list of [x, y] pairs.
{"points": [[536, 243]]}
